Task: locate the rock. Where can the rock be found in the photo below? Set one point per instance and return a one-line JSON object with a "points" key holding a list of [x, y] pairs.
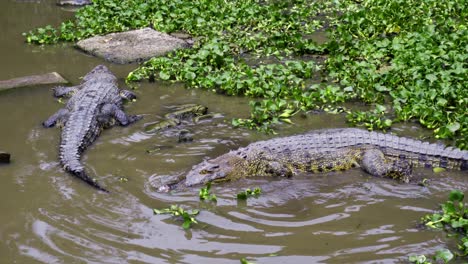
{"points": [[73, 2], [48, 78], [4, 157], [131, 46]]}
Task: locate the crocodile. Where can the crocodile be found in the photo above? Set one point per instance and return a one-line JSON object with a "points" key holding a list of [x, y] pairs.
{"points": [[173, 119], [95, 104], [378, 154]]}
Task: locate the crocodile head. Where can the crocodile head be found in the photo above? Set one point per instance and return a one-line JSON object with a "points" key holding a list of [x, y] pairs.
{"points": [[223, 168], [188, 111], [99, 72]]}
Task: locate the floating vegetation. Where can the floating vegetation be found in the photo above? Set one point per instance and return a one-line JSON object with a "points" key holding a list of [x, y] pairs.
{"points": [[249, 193], [205, 193], [187, 216], [454, 220], [407, 59]]}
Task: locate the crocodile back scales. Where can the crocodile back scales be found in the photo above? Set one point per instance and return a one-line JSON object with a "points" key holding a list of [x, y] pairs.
{"points": [[332, 142], [82, 128]]}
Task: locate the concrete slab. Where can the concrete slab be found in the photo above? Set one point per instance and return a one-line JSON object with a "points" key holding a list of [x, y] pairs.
{"points": [[48, 78], [131, 46]]}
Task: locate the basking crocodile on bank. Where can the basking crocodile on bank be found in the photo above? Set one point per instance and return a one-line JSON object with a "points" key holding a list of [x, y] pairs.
{"points": [[378, 154], [95, 104]]}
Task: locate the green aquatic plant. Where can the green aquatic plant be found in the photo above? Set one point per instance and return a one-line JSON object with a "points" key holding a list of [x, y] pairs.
{"points": [[410, 54], [454, 220], [375, 119], [205, 193], [245, 261], [187, 216], [249, 193], [441, 255], [407, 55]]}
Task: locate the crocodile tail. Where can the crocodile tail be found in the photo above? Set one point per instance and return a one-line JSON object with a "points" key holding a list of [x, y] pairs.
{"points": [[83, 176]]}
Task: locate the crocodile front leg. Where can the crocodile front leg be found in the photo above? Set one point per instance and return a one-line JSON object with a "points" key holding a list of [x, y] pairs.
{"points": [[127, 95], [60, 116], [275, 168], [66, 91], [112, 110], [375, 163]]}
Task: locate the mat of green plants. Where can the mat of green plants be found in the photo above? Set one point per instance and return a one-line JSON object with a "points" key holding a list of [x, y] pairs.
{"points": [[406, 60]]}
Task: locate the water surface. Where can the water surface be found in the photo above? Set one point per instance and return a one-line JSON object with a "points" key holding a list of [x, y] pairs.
{"points": [[49, 217]]}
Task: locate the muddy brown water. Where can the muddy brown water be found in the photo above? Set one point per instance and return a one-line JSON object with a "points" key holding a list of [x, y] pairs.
{"points": [[46, 216]]}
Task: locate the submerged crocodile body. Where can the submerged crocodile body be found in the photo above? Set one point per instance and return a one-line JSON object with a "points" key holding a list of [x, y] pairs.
{"points": [[173, 119], [378, 154], [95, 104]]}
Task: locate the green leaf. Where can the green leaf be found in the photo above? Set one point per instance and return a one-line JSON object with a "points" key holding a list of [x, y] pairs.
{"points": [[245, 261], [194, 212], [456, 195], [186, 224], [190, 75], [380, 108], [242, 196], [388, 122], [178, 211], [431, 77], [438, 169], [164, 76], [417, 258], [381, 88], [453, 127], [444, 255], [460, 223], [286, 120], [156, 211]]}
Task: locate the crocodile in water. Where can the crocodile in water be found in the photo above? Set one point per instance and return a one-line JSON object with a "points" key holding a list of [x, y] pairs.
{"points": [[95, 104], [378, 154], [173, 119]]}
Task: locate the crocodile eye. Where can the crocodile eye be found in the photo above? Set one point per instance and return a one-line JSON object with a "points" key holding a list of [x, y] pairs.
{"points": [[205, 171]]}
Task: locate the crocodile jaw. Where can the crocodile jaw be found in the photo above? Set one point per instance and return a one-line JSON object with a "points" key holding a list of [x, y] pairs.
{"points": [[203, 173], [215, 169]]}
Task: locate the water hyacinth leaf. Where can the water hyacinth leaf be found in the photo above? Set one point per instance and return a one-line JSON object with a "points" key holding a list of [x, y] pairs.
{"points": [[156, 211], [164, 76], [205, 194], [186, 224], [460, 223], [175, 210], [444, 255], [453, 127], [245, 261], [412, 64], [381, 88], [431, 77], [417, 258], [190, 75], [456, 195], [249, 193], [380, 108], [388, 122], [242, 196]]}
